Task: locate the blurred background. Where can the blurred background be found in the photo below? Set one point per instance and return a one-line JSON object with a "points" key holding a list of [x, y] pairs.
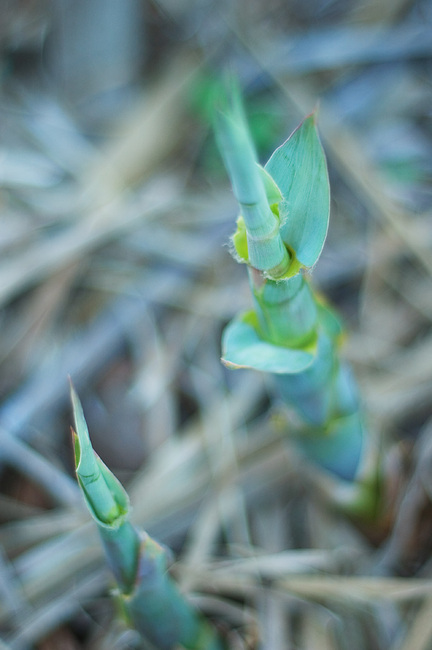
{"points": [[115, 221]]}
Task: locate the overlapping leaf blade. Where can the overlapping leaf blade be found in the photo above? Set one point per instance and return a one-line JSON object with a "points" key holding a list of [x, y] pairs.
{"points": [[299, 169], [242, 347]]}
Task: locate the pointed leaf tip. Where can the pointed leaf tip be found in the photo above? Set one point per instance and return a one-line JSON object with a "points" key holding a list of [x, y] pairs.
{"points": [[299, 169], [106, 498], [86, 464]]}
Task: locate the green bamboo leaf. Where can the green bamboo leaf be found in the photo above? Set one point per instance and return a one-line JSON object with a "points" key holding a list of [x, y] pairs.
{"points": [[273, 193], [242, 347], [298, 167], [106, 498]]}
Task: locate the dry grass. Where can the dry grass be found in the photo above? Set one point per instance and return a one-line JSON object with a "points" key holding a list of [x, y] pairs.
{"points": [[114, 269]]}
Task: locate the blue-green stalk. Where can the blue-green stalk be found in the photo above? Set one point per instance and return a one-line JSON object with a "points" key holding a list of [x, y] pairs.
{"points": [[267, 251], [291, 334], [150, 599]]}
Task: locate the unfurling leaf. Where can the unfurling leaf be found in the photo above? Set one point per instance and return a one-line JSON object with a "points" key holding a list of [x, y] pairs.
{"points": [[298, 167], [242, 347], [106, 498]]}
